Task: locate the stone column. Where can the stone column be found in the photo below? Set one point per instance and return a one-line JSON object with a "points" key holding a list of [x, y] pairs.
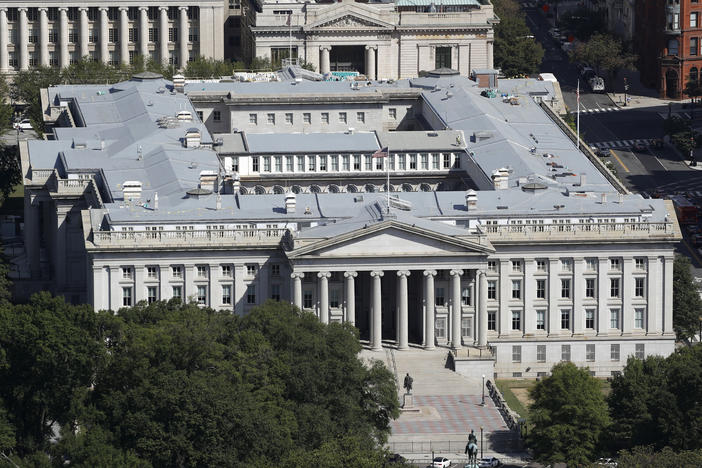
{"points": [[627, 293], [98, 288], [602, 293], [43, 37], [350, 297], [653, 317], [370, 62], [376, 311], [23, 39], [324, 65], [124, 35], [504, 296], [297, 289], [104, 36], [578, 293], [163, 31], [402, 323], [144, 32], [139, 288], [84, 30], [529, 292], [324, 296], [63, 58], [456, 308], [163, 274], [490, 61], [115, 291], [4, 42], [482, 309], [215, 288], [429, 309], [554, 294], [184, 31], [189, 283], [668, 296]]}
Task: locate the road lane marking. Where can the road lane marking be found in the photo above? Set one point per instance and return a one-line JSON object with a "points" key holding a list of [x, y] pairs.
{"points": [[619, 160]]}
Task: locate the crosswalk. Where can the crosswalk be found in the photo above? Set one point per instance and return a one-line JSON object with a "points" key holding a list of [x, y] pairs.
{"points": [[614, 144], [597, 110], [684, 115], [529, 4]]}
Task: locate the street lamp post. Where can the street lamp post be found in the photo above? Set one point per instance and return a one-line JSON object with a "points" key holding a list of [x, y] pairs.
{"points": [[626, 88], [482, 402], [481, 441]]}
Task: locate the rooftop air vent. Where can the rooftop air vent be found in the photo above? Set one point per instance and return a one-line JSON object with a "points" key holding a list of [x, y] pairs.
{"points": [[533, 187], [198, 193]]}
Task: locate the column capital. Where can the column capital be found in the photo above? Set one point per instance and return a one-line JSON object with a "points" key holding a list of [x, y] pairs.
{"points": [[103, 8], [430, 272], [456, 272], [480, 273], [371, 47], [83, 9], [183, 8], [43, 9], [124, 8], [62, 9], [143, 8], [378, 274], [163, 8], [326, 47], [22, 9], [297, 274], [350, 274], [323, 274], [404, 273]]}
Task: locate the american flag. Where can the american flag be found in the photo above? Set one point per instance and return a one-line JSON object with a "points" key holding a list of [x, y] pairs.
{"points": [[577, 96], [381, 153], [287, 23]]}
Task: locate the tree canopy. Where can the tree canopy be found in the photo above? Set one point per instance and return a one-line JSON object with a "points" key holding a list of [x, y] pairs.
{"points": [[569, 414], [666, 458], [687, 305], [515, 52], [604, 52]]}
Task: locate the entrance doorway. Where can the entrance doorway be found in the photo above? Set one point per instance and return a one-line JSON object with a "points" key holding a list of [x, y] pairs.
{"points": [[671, 84], [348, 58]]}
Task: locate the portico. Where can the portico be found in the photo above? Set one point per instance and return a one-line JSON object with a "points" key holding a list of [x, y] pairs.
{"points": [[394, 281]]}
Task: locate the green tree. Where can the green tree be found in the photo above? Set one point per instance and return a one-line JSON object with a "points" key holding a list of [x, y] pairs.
{"points": [[516, 52], [6, 111], [641, 456], [88, 71], [202, 67], [687, 305], [10, 174], [583, 22], [7, 430], [26, 88], [693, 90], [568, 414], [48, 352], [605, 53]]}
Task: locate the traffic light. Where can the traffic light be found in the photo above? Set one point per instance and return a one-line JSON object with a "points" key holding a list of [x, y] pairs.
{"points": [[626, 84]]}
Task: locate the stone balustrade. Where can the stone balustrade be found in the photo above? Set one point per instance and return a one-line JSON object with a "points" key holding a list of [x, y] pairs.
{"points": [[210, 237]]}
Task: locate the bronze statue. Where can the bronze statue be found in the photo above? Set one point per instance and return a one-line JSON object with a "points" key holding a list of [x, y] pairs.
{"points": [[408, 383], [472, 449]]}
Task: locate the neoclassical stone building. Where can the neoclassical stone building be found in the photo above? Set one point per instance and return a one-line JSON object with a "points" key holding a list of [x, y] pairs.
{"points": [[530, 253], [382, 40], [58, 33]]}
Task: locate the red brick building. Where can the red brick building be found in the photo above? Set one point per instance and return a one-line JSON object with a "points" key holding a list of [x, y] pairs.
{"points": [[668, 41]]}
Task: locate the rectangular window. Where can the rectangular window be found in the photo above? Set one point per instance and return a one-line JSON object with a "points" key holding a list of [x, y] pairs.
{"points": [[323, 163], [465, 296], [492, 320], [289, 118], [693, 45], [151, 294], [300, 164], [202, 295], [307, 299], [153, 34], [492, 289], [590, 287], [226, 294], [639, 317], [127, 297], [250, 270], [413, 161], [615, 264], [541, 319], [361, 117], [516, 289], [177, 292], [516, 353], [306, 117], [275, 270], [346, 163], [541, 289], [640, 264], [335, 163], [255, 164], [591, 264], [516, 320], [127, 273], [202, 271], [540, 353], [270, 118], [566, 264], [693, 20], [392, 113], [133, 34], [253, 119], [311, 163], [152, 272], [227, 271], [640, 351], [424, 161], [565, 352], [492, 266], [435, 161], [590, 318], [590, 352], [614, 287], [401, 162], [639, 287], [172, 34], [614, 352], [614, 318], [177, 272], [442, 58], [275, 294], [541, 265], [440, 328], [467, 327], [356, 162], [325, 117], [565, 319], [342, 117], [565, 288], [216, 116], [439, 298], [517, 266], [251, 294], [266, 164], [289, 163]]}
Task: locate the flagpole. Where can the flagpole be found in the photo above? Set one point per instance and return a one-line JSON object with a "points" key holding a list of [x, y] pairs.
{"points": [[387, 170], [290, 38], [578, 116]]}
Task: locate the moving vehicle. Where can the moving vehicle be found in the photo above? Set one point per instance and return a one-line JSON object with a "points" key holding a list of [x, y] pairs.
{"points": [[639, 147], [489, 462], [597, 84], [687, 212], [441, 462], [23, 124]]}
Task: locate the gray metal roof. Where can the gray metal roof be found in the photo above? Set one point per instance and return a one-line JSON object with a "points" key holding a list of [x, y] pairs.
{"points": [[440, 140], [311, 142]]}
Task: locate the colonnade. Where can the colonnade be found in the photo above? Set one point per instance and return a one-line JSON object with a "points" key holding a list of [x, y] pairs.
{"points": [[376, 296], [370, 60]]}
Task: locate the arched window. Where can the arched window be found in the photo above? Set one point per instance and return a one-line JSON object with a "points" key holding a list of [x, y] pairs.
{"points": [[407, 188], [278, 189], [296, 189], [425, 187], [693, 74], [333, 188], [315, 189], [260, 190], [370, 188], [351, 188]]}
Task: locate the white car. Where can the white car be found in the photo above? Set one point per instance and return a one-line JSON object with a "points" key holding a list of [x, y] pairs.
{"points": [[596, 84], [489, 462], [440, 462], [23, 124]]}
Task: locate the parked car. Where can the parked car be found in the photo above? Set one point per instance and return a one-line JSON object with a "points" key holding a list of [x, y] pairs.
{"points": [[23, 124], [489, 462], [441, 462], [554, 33], [639, 147], [606, 462], [657, 143]]}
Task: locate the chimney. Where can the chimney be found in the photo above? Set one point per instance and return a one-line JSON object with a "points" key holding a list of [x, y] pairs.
{"points": [[179, 83], [236, 185], [192, 138], [155, 200], [290, 202], [500, 178], [620, 197], [582, 179], [228, 164], [604, 198], [131, 190], [218, 205], [208, 180], [471, 200]]}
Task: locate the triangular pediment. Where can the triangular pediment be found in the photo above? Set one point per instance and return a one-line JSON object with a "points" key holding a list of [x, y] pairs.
{"points": [[348, 18], [392, 239]]}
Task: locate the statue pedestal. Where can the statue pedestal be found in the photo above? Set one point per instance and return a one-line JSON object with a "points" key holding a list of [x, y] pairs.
{"points": [[408, 404]]}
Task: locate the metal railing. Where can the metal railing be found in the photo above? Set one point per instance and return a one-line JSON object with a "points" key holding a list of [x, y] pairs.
{"points": [[511, 418], [234, 237], [636, 229]]}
